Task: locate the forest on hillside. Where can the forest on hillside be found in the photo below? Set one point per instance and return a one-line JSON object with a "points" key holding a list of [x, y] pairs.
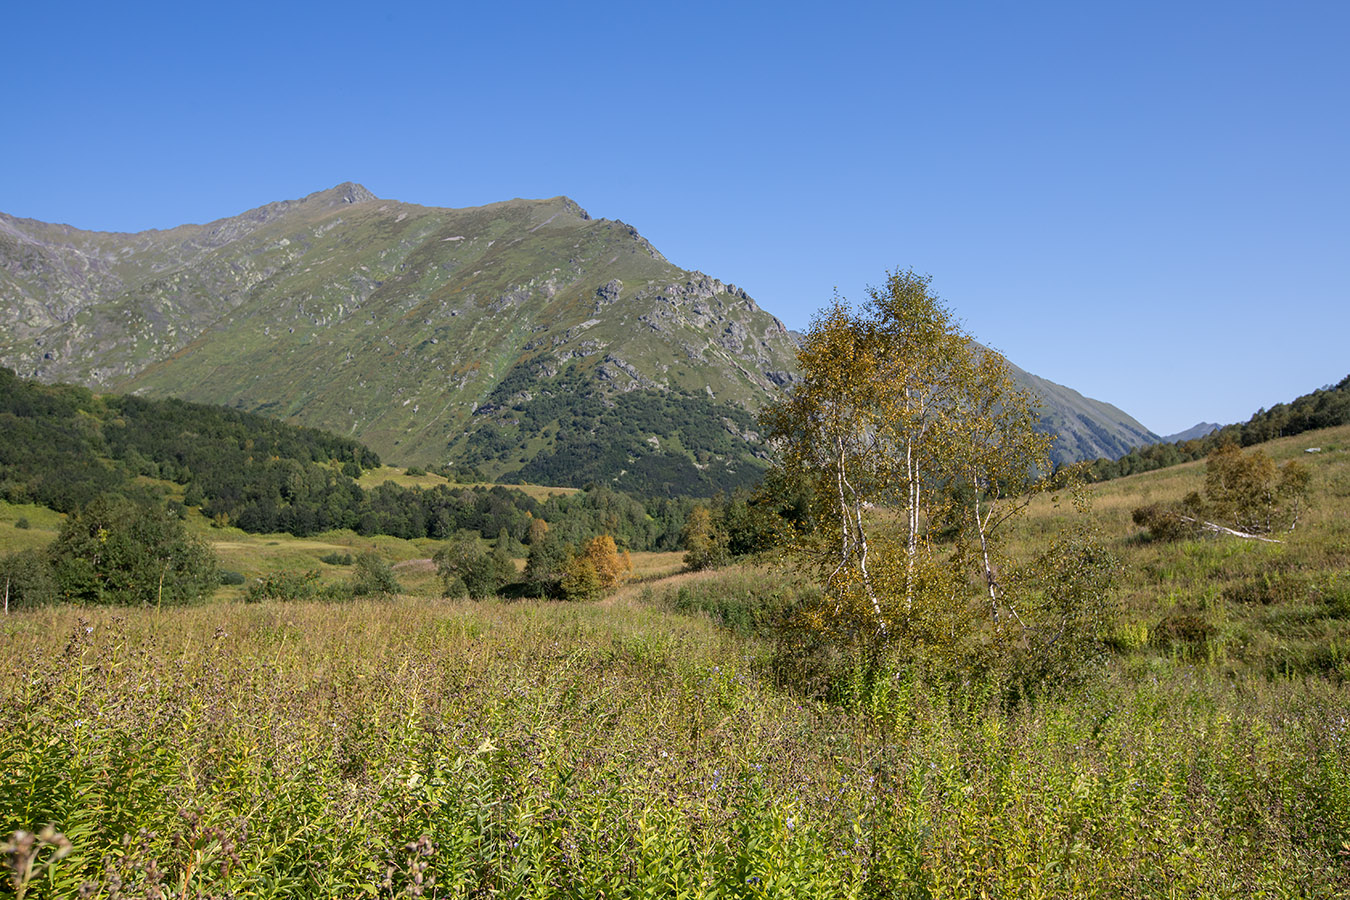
{"points": [[63, 447], [1322, 408], [660, 443]]}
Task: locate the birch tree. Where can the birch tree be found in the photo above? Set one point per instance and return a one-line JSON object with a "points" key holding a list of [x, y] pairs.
{"points": [[920, 450]]}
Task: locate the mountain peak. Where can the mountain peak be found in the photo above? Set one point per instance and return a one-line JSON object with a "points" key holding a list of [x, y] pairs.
{"points": [[1195, 432], [346, 192]]}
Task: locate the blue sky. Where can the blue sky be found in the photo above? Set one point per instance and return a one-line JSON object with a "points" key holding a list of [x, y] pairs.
{"points": [[1148, 202]]}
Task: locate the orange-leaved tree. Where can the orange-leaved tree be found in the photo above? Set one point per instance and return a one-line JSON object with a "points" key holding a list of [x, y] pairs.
{"points": [[598, 569]]}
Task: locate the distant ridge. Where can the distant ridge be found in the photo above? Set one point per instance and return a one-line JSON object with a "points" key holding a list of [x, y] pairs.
{"points": [[1086, 428], [1192, 433]]}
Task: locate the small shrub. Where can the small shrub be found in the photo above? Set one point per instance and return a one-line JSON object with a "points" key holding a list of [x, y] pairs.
{"points": [[744, 603], [414, 471], [286, 587], [336, 559], [1335, 598], [1267, 589], [228, 577], [22, 522], [1128, 636], [1163, 523]]}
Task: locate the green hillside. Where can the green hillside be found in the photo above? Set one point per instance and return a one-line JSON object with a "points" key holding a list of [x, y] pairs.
{"points": [[63, 447], [1323, 408], [388, 321]]}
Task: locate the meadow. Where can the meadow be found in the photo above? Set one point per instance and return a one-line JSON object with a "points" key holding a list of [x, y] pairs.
{"points": [[665, 742]]}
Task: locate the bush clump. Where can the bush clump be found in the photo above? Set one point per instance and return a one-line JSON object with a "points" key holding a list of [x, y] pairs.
{"points": [[119, 552], [1185, 632], [373, 576], [26, 580], [286, 587]]}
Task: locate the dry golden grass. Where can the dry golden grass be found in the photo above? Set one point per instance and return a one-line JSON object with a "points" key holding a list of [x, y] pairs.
{"points": [[647, 565], [384, 474]]}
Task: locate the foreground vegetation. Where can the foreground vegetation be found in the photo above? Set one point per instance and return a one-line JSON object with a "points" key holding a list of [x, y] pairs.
{"points": [[675, 740], [523, 750]]}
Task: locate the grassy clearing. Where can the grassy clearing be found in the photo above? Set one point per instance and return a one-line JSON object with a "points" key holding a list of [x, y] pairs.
{"points": [[374, 477], [41, 528], [653, 565], [1239, 606]]}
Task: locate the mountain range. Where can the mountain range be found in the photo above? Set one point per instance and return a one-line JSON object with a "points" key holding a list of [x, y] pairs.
{"points": [[521, 340]]}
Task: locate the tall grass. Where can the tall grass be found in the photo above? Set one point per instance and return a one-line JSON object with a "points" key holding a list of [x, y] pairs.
{"points": [[535, 750]]}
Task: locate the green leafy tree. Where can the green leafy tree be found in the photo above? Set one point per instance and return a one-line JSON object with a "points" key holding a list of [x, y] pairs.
{"points": [[115, 551], [903, 429], [705, 542], [544, 566], [26, 580], [503, 562], [373, 576], [465, 567]]}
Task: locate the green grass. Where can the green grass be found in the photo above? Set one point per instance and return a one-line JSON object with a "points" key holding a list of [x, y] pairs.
{"points": [[1250, 607], [554, 750], [43, 525]]}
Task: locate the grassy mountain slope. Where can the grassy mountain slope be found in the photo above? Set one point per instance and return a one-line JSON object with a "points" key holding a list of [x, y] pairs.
{"points": [[392, 322], [502, 337], [1086, 428]]}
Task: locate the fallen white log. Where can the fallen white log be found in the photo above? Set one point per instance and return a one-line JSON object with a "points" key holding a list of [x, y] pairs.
{"points": [[1210, 526]]}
